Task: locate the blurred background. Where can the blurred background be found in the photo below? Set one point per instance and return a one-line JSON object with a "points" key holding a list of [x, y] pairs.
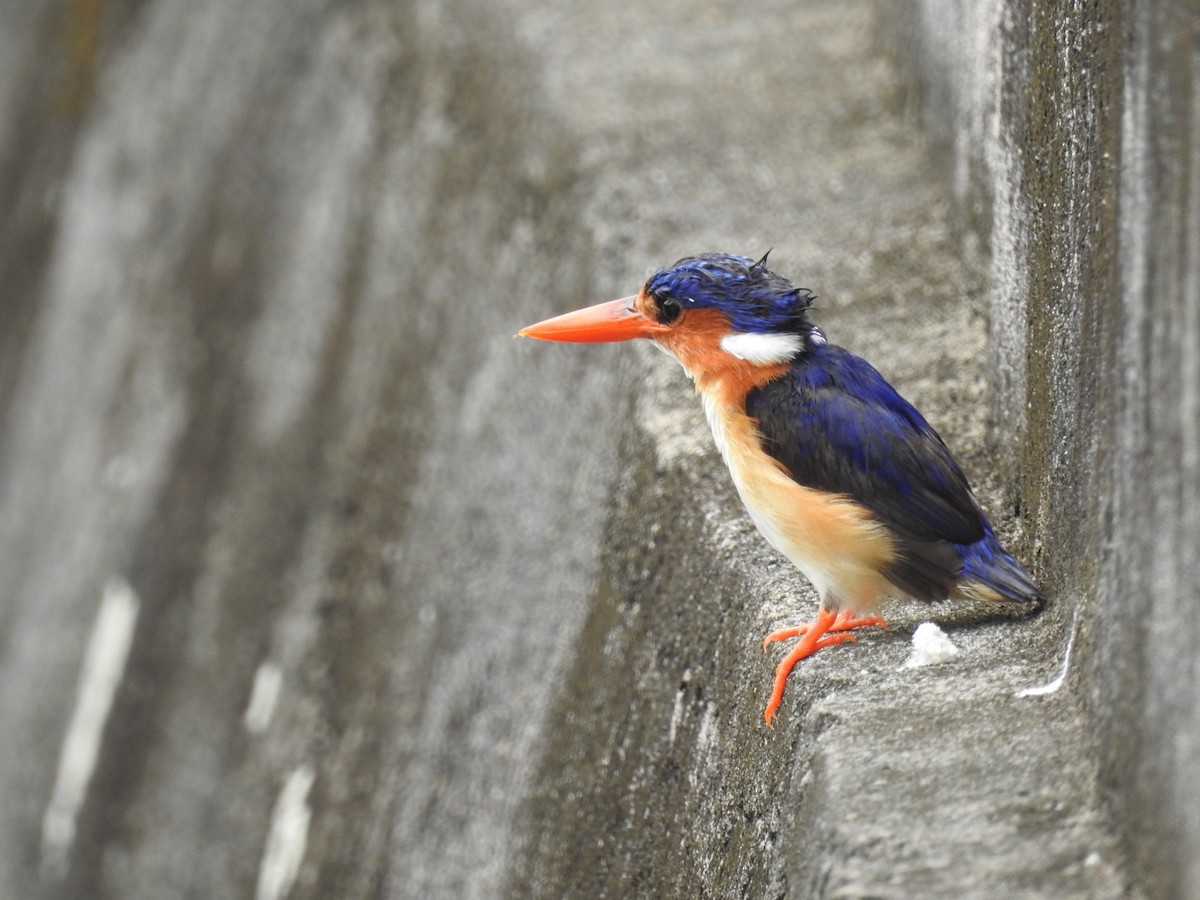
{"points": [[314, 582]]}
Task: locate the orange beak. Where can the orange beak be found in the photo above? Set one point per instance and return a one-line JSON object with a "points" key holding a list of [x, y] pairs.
{"points": [[616, 320]]}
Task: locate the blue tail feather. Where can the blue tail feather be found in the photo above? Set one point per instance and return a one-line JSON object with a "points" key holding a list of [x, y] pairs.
{"points": [[989, 565]]}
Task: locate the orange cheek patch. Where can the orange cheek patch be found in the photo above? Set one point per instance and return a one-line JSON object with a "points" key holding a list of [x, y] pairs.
{"points": [[695, 339]]}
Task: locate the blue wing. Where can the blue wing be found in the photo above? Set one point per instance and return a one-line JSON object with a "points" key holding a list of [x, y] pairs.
{"points": [[836, 425]]}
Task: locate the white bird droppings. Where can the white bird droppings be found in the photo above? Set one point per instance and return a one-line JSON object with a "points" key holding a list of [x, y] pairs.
{"points": [[930, 646]]}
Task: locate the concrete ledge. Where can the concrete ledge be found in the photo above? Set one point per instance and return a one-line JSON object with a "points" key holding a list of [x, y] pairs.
{"points": [[418, 610]]}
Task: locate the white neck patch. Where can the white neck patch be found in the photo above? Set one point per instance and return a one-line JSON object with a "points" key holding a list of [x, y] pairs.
{"points": [[762, 349]]}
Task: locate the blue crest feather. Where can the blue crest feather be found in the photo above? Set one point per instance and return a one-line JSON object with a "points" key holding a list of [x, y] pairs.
{"points": [[753, 297]]}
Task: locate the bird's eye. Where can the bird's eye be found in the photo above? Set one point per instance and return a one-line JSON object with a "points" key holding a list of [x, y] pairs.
{"points": [[668, 310]]}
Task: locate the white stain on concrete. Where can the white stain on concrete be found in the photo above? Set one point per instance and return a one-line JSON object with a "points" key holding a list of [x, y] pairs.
{"points": [[288, 837], [1052, 686], [264, 696], [103, 668]]}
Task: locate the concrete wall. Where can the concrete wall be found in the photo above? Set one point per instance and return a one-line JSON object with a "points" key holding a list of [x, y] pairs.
{"points": [[315, 583], [1074, 136]]}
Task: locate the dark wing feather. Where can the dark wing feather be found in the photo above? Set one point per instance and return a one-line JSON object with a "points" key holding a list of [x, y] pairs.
{"points": [[836, 425]]}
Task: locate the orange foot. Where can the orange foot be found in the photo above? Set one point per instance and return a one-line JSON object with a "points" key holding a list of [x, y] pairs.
{"points": [[830, 628]]}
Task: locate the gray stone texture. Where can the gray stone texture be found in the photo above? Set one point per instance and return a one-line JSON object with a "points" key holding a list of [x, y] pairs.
{"points": [[262, 265]]}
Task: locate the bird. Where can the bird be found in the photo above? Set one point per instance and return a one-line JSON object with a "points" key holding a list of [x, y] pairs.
{"points": [[838, 472]]}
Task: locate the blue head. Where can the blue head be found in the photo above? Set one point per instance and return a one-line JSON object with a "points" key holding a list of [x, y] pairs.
{"points": [[754, 299]]}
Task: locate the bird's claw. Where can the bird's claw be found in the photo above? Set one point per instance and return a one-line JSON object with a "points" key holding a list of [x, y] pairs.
{"points": [[827, 630]]}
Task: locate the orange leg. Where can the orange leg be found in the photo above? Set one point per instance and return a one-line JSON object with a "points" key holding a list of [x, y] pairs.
{"points": [[829, 629]]}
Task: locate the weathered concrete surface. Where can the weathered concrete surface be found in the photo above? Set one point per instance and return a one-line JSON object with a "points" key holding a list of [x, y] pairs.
{"points": [[1076, 130], [465, 616]]}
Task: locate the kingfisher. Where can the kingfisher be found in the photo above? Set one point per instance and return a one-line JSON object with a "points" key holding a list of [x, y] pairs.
{"points": [[839, 473]]}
